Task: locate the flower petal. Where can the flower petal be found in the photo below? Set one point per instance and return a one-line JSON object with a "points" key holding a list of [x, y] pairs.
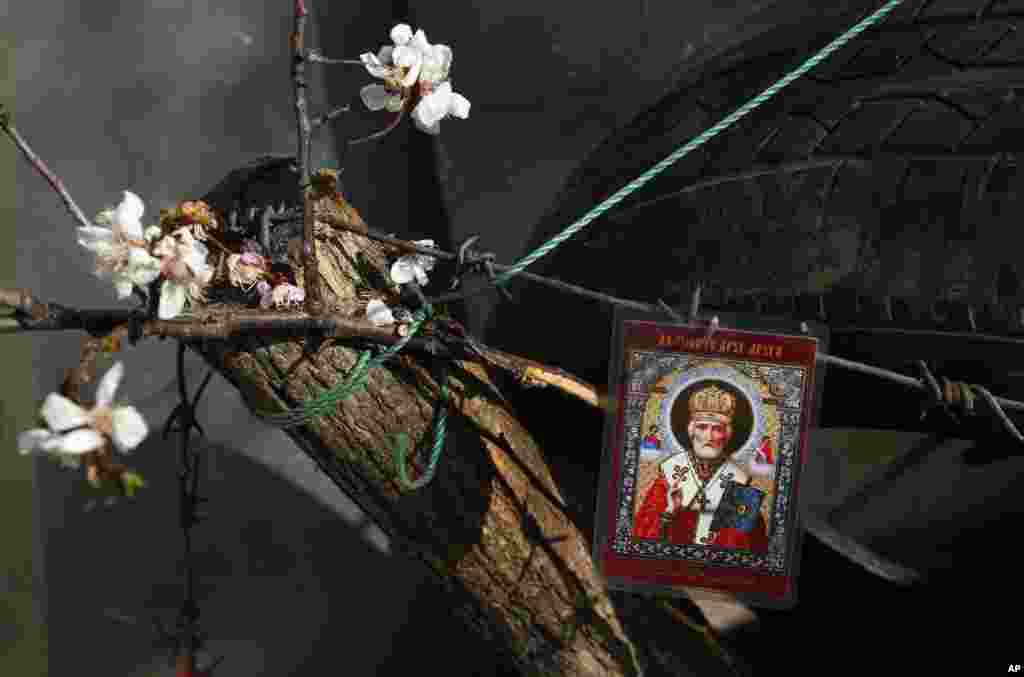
{"points": [[129, 428], [406, 57], [402, 271], [459, 106], [108, 385], [441, 56], [375, 66], [142, 268], [91, 236], [419, 42], [376, 97], [172, 300], [437, 63], [433, 107], [80, 441], [401, 34], [378, 313], [426, 262], [62, 414], [37, 439], [123, 285], [131, 207], [421, 275], [128, 216]]}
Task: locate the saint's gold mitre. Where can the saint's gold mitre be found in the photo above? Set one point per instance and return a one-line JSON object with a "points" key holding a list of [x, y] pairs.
{"points": [[713, 401]]}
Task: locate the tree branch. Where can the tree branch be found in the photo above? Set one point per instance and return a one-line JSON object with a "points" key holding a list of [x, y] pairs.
{"points": [[35, 316], [330, 115], [314, 299], [22, 301], [37, 162], [315, 56], [392, 126]]}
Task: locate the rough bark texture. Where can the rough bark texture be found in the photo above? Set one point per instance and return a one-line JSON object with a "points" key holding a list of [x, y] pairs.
{"points": [[492, 524]]}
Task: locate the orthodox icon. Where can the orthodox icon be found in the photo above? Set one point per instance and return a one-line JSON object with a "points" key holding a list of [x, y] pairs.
{"points": [[703, 458]]}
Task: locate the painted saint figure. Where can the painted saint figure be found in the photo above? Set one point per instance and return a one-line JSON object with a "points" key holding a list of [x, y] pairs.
{"points": [[764, 452], [651, 439], [700, 496]]}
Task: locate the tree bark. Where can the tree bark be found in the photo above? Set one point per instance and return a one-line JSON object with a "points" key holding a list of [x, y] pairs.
{"points": [[493, 524]]}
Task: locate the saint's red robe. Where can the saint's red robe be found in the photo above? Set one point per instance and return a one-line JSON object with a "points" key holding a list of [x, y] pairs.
{"points": [[683, 524]]}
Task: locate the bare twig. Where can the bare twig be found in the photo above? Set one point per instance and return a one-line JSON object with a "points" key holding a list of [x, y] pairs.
{"points": [[330, 115], [387, 130], [314, 56], [37, 162], [314, 300]]}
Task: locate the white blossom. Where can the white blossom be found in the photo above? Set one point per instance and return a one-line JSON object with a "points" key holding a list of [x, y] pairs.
{"points": [[414, 67], [185, 270], [413, 266], [72, 431], [281, 296], [378, 313], [435, 60], [437, 105], [399, 64], [119, 245]]}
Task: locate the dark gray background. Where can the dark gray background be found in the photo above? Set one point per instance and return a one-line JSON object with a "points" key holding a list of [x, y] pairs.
{"points": [[164, 98]]}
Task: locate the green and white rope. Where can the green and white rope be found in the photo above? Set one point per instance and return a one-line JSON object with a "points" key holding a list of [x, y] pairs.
{"points": [[326, 402], [731, 119]]}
